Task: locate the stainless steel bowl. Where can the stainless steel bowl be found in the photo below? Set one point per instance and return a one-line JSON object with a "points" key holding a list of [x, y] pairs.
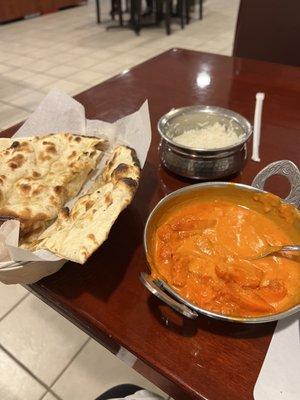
{"points": [[159, 287], [202, 163]]}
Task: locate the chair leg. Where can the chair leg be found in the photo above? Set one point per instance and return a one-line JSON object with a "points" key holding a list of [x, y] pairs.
{"points": [[200, 9], [138, 8], [113, 9], [187, 11], [172, 8], [181, 11], [119, 9], [168, 17], [98, 12], [158, 11]]}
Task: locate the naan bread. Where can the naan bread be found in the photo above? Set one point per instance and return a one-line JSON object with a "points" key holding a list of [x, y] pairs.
{"points": [[76, 234], [5, 143], [123, 164], [39, 175]]}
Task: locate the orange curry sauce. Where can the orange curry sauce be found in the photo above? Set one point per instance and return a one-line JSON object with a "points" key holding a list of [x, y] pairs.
{"points": [[200, 249]]}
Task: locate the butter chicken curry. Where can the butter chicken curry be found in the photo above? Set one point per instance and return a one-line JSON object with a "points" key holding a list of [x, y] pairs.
{"points": [[201, 245]]}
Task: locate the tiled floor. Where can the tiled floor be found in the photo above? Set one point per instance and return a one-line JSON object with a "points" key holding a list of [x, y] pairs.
{"points": [[42, 355]]}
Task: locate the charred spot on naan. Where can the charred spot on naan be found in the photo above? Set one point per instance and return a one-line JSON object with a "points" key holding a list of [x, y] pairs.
{"points": [[17, 161], [101, 145], [39, 190], [92, 153], [84, 252], [24, 187], [123, 164], [132, 184], [74, 154], [85, 202], [121, 171], [36, 175], [88, 204], [92, 237], [43, 157], [59, 189], [17, 146], [64, 213], [135, 159], [108, 199], [14, 145], [54, 200], [50, 148]]}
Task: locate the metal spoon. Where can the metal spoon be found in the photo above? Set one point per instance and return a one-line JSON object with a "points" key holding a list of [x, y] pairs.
{"points": [[275, 249]]}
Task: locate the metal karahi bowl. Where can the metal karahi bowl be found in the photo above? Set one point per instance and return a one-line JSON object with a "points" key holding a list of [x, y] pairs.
{"points": [[168, 295], [199, 163]]}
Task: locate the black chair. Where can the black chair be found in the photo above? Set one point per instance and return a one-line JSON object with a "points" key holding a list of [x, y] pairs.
{"points": [[136, 13], [269, 30], [180, 13], [190, 4], [169, 14], [116, 8]]}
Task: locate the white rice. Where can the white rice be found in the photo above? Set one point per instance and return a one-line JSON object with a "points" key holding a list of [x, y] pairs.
{"points": [[208, 137]]}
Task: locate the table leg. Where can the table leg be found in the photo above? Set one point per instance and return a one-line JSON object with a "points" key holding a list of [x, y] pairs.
{"points": [[98, 11], [168, 17]]}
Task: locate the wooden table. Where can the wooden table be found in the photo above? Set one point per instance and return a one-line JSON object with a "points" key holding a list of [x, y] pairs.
{"points": [[190, 359]]}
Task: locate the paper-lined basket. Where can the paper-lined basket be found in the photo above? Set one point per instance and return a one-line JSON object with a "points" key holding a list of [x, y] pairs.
{"points": [[59, 113]]}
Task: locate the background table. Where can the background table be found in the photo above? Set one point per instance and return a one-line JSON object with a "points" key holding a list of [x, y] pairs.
{"points": [[190, 359]]}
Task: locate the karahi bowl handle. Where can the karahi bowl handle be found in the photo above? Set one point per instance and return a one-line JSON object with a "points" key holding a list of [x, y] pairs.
{"points": [[287, 169], [153, 286]]}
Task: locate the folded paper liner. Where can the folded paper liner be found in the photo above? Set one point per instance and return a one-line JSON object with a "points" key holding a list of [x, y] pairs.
{"points": [[58, 113]]}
